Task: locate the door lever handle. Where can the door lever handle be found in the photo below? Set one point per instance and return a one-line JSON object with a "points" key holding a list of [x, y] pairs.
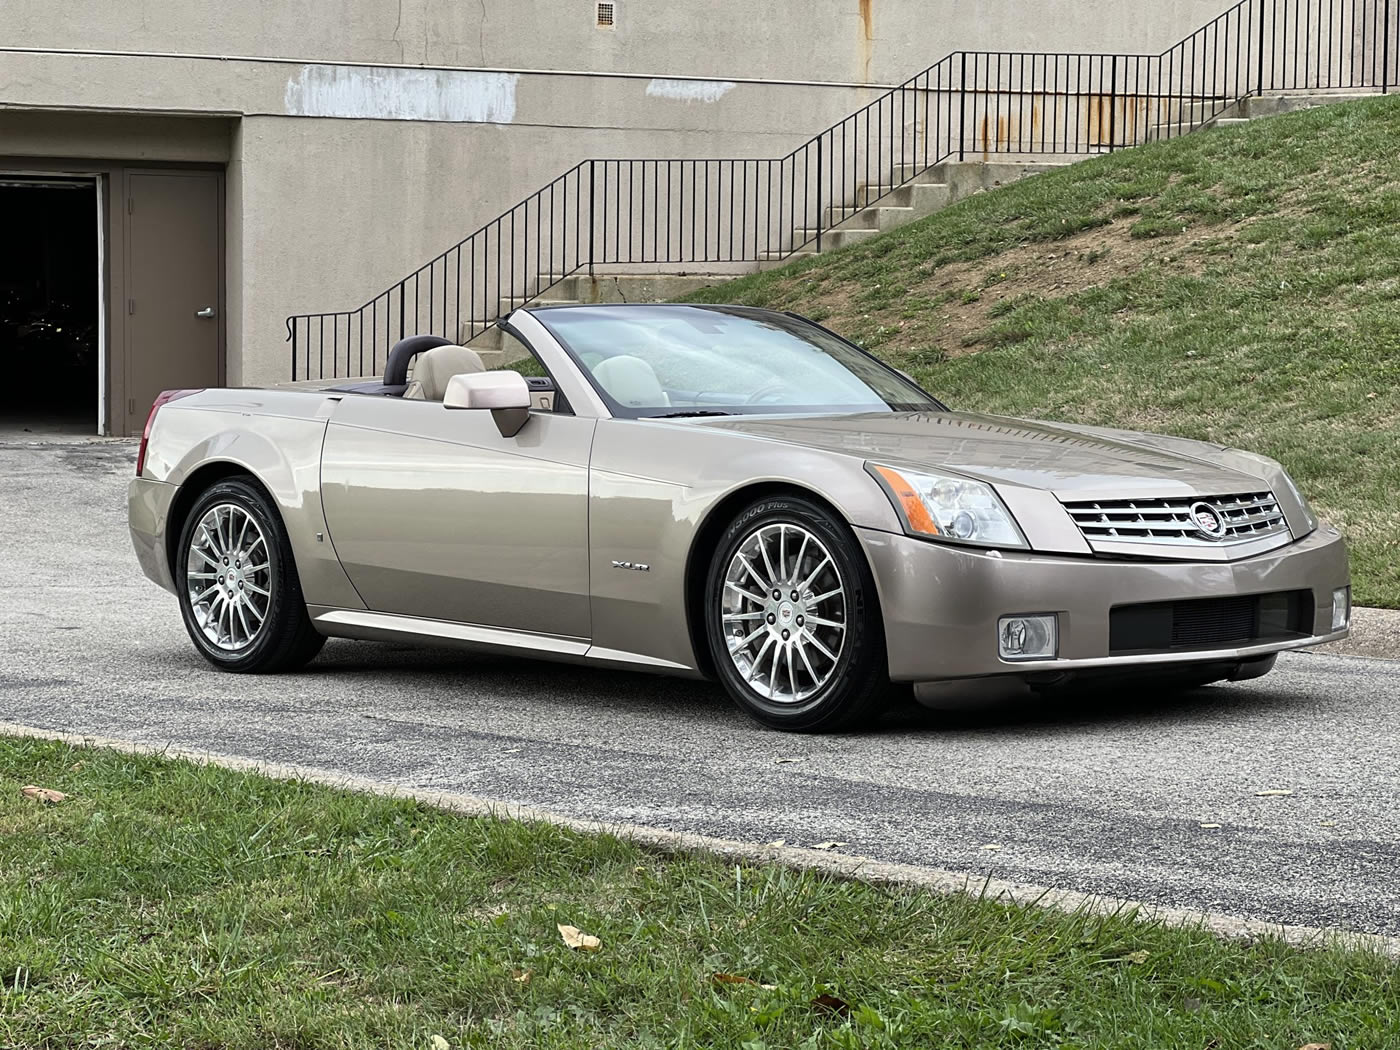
{"points": [[208, 311]]}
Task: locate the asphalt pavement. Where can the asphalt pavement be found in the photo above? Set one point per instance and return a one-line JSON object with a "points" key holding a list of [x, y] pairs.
{"points": [[1102, 795]]}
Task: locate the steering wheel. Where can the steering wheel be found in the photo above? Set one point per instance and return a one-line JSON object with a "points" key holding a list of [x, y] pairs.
{"points": [[768, 389]]}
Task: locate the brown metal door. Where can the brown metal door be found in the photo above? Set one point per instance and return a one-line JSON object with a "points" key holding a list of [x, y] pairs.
{"points": [[174, 307]]}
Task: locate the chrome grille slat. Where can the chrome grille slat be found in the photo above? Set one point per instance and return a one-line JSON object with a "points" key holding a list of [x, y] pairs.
{"points": [[1246, 515]]}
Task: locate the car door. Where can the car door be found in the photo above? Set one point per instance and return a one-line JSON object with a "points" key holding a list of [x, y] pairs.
{"points": [[434, 514]]}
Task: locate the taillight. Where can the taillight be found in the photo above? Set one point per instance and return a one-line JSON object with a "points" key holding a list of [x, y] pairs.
{"points": [[164, 397]]}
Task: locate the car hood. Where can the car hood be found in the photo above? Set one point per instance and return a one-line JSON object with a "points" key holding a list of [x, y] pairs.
{"points": [[1055, 457]]}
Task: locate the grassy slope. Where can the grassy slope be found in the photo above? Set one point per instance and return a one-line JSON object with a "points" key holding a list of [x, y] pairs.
{"points": [[1240, 286], [167, 904]]}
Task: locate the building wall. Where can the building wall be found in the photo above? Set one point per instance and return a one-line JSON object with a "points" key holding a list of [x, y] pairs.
{"points": [[342, 178], [831, 40]]}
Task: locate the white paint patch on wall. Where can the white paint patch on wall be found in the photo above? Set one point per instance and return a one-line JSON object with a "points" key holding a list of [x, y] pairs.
{"points": [[690, 90], [379, 93]]}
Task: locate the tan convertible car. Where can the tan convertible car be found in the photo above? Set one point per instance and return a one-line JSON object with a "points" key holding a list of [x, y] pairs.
{"points": [[721, 492]]}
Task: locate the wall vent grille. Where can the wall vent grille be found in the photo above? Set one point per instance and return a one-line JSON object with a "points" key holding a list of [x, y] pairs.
{"points": [[607, 14]]}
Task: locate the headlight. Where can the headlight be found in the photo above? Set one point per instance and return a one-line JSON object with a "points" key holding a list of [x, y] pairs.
{"points": [[940, 507], [1308, 516]]}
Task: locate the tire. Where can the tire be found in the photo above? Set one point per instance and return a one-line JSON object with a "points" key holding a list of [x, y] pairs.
{"points": [[263, 627], [831, 673]]}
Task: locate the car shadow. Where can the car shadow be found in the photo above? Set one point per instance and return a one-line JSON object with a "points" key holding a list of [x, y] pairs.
{"points": [[1090, 707], [685, 700], [564, 684]]}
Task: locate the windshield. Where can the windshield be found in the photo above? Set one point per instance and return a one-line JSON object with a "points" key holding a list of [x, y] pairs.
{"points": [[670, 360]]}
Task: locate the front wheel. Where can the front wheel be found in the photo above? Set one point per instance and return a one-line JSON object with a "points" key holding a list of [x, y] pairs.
{"points": [[239, 592], [793, 620]]}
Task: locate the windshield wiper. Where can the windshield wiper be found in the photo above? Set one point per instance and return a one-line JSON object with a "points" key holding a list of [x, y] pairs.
{"points": [[690, 414]]}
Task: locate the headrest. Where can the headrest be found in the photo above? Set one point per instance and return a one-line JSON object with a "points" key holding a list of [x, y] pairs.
{"points": [[630, 381], [433, 368]]}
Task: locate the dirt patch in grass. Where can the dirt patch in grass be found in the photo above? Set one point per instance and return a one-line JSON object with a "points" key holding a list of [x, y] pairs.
{"points": [[946, 311], [974, 295]]}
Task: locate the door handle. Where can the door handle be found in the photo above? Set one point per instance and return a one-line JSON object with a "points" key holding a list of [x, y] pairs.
{"points": [[208, 311]]}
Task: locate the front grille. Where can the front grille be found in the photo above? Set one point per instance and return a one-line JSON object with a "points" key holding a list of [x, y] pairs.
{"points": [[1246, 516], [1209, 623]]}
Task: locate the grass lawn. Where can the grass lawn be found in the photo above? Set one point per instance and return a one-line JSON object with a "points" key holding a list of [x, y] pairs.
{"points": [[1240, 286], [169, 904]]}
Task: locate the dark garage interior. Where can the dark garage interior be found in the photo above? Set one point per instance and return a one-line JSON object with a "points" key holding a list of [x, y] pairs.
{"points": [[49, 304]]}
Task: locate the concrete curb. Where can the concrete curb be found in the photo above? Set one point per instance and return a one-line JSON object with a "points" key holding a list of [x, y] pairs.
{"points": [[1375, 634], [864, 869]]}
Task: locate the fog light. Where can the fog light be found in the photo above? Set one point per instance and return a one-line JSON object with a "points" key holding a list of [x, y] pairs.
{"points": [[1028, 637], [1341, 608]]}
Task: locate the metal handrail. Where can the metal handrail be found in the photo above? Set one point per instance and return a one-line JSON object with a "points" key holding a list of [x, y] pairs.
{"points": [[609, 211]]}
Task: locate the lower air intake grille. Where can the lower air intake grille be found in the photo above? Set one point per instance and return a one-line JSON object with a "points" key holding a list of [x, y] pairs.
{"points": [[1210, 623]]}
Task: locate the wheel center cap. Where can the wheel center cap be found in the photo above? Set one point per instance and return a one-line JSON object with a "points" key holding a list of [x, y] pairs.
{"points": [[785, 614]]}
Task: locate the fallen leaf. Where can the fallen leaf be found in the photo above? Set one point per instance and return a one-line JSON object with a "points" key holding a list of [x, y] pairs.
{"points": [[42, 794], [734, 978], [786, 761], [1316, 1046], [522, 976], [439, 1043], [1137, 957], [1274, 793], [830, 1004], [829, 845], [778, 842], [1328, 824], [1210, 826], [578, 940], [76, 767], [991, 846]]}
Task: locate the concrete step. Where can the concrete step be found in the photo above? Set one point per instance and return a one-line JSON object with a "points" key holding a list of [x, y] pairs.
{"points": [[881, 217], [833, 239], [1203, 110], [918, 174], [622, 287], [1288, 102], [496, 348], [924, 197], [546, 282], [931, 190], [776, 262], [965, 177], [515, 302], [634, 287], [1175, 129]]}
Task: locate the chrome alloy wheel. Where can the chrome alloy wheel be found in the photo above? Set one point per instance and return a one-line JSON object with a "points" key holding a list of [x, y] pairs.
{"points": [[229, 577], [784, 612]]}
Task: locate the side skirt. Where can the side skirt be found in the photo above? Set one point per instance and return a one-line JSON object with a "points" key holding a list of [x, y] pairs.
{"points": [[391, 627]]}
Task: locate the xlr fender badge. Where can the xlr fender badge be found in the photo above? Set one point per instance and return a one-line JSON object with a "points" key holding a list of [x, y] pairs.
{"points": [[635, 566]]}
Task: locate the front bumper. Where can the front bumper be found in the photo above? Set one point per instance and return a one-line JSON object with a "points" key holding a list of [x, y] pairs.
{"points": [[941, 603], [148, 509]]}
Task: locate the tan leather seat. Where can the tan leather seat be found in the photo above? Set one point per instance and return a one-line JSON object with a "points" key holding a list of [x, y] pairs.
{"points": [[433, 368], [631, 381]]}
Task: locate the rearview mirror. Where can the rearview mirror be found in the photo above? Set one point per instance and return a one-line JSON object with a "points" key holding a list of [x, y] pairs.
{"points": [[505, 394]]}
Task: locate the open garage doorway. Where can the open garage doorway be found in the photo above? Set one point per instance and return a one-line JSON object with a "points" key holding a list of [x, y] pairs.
{"points": [[50, 305]]}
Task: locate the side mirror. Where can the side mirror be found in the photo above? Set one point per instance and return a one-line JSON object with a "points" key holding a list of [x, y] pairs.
{"points": [[505, 394]]}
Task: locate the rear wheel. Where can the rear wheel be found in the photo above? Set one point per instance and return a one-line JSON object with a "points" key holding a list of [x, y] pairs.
{"points": [[793, 620], [239, 593]]}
